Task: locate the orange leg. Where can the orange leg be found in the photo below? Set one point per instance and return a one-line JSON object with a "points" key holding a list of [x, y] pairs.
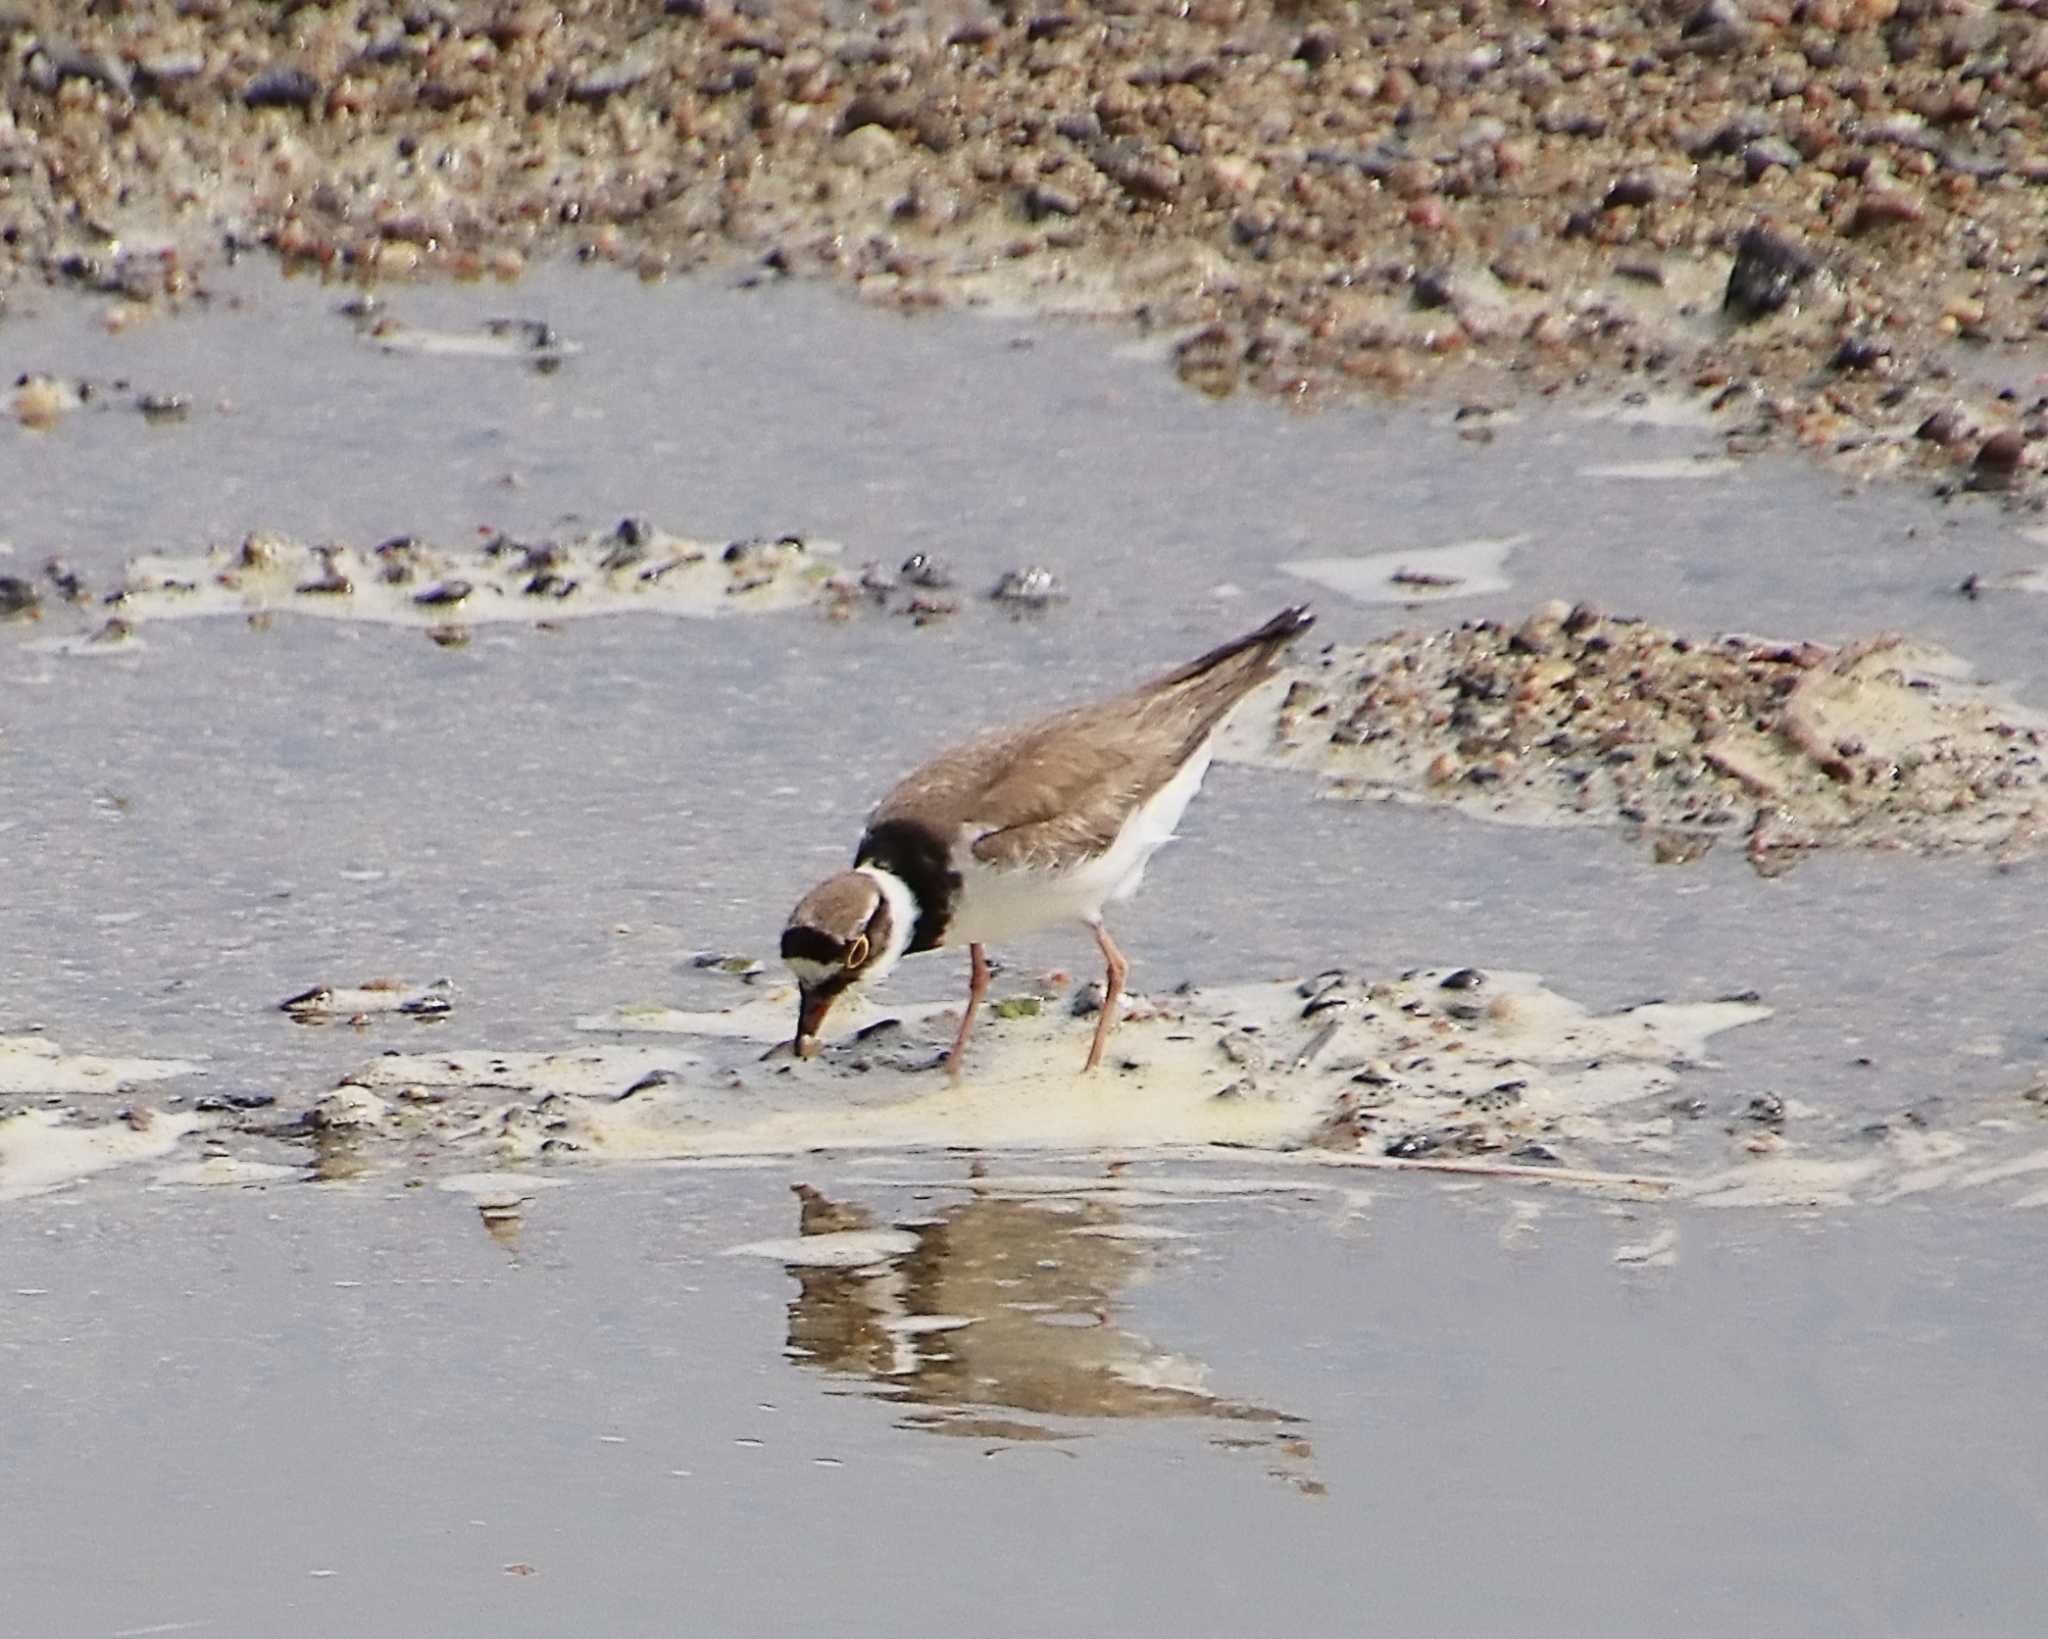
{"points": [[1112, 993], [977, 985]]}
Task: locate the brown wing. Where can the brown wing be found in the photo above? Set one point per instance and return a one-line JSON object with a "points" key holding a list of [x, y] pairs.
{"points": [[1052, 791], [1071, 785], [1070, 772]]}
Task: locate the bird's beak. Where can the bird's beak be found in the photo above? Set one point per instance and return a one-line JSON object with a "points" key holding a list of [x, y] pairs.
{"points": [[811, 1008]]}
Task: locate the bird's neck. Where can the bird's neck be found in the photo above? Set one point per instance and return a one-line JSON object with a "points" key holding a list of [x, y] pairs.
{"points": [[917, 855], [903, 915]]}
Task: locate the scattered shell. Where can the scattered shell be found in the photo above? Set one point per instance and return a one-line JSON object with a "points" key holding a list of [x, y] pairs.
{"points": [[42, 401], [1033, 588], [922, 569]]}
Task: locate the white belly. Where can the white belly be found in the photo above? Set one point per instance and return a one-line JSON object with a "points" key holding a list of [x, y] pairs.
{"points": [[996, 905]]}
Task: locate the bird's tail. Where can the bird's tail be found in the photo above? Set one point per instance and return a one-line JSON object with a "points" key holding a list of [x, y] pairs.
{"points": [[1267, 642]]}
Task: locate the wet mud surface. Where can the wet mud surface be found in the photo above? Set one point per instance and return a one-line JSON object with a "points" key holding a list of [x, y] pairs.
{"points": [[257, 806], [1823, 218], [1570, 717], [347, 972]]}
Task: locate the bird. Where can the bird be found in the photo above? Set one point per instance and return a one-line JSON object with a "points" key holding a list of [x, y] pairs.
{"points": [[1023, 828]]}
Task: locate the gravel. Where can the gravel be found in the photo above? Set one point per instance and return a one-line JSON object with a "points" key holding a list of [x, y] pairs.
{"points": [[1336, 198]]}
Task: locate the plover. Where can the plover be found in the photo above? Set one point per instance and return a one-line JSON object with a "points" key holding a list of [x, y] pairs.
{"points": [[1023, 828]]}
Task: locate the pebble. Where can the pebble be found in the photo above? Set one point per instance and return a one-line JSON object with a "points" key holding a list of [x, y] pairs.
{"points": [[1611, 720], [1999, 460], [1034, 587], [1767, 270], [17, 596], [1206, 164], [922, 569], [281, 88], [1946, 426]]}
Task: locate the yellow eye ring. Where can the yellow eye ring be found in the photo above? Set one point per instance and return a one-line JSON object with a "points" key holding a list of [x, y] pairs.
{"points": [[857, 953]]}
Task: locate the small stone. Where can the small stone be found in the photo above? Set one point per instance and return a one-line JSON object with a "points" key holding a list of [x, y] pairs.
{"points": [[1998, 460], [922, 569], [1746, 127], [1944, 427], [69, 583], [1859, 352], [1433, 289], [1041, 202], [17, 596], [606, 82], [1638, 188], [1317, 48], [1139, 172], [1034, 587], [738, 967], [70, 63], [868, 109], [1767, 271], [160, 71], [1718, 26], [1882, 208], [1760, 158], [1211, 360], [281, 88]]}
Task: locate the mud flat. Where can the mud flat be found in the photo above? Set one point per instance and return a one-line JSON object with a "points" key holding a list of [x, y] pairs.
{"points": [[1575, 717], [1822, 220], [1485, 1076], [405, 582]]}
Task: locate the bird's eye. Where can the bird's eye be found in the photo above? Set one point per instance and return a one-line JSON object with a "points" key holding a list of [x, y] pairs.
{"points": [[857, 953]]}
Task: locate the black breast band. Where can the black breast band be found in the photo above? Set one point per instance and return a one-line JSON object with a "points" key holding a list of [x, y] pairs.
{"points": [[919, 856]]}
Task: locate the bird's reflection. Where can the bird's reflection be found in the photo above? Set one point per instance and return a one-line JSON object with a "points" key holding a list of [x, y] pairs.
{"points": [[1009, 1306]]}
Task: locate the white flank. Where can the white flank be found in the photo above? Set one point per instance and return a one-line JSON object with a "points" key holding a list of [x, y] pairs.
{"points": [[997, 904]]}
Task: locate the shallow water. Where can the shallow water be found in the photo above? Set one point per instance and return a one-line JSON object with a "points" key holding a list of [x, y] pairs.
{"points": [[1806, 1423], [334, 1411]]}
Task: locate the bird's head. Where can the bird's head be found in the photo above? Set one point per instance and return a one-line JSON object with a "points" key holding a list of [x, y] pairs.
{"points": [[843, 933]]}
